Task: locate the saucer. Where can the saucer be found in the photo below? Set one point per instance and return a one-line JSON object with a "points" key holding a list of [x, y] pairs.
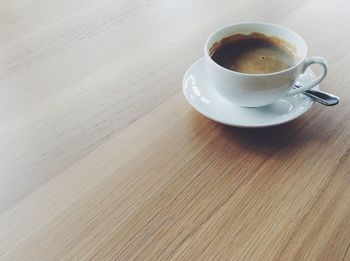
{"points": [[204, 98]]}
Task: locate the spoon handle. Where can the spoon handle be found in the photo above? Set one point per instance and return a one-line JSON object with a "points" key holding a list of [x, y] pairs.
{"points": [[322, 97]]}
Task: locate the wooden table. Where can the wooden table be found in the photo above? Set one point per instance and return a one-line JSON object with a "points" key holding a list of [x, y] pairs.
{"points": [[102, 158]]}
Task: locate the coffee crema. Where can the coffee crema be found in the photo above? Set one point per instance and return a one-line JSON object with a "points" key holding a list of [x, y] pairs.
{"points": [[254, 53]]}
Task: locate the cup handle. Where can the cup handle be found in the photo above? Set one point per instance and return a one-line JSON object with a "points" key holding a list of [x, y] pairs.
{"points": [[313, 60]]}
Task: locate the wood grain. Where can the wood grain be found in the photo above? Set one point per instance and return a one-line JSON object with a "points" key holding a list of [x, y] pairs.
{"points": [[102, 158]]}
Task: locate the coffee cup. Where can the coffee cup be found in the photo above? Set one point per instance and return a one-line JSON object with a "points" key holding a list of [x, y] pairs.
{"points": [[263, 88]]}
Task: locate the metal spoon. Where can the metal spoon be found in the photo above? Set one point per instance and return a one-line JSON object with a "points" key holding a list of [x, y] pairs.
{"points": [[321, 97]]}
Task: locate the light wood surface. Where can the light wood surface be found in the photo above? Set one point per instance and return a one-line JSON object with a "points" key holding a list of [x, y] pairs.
{"points": [[102, 158]]}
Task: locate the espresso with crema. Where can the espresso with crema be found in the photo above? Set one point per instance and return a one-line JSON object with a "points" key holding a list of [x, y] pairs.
{"points": [[254, 53]]}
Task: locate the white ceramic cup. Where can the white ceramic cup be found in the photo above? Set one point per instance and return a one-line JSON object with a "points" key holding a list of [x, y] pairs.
{"points": [[255, 90]]}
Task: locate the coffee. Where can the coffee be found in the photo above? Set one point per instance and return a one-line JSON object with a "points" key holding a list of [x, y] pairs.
{"points": [[255, 53]]}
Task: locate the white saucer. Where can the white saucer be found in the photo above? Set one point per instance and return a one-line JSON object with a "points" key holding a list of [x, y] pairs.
{"points": [[204, 98]]}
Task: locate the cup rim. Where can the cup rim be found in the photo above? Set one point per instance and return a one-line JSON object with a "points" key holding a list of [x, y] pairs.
{"points": [[206, 49]]}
